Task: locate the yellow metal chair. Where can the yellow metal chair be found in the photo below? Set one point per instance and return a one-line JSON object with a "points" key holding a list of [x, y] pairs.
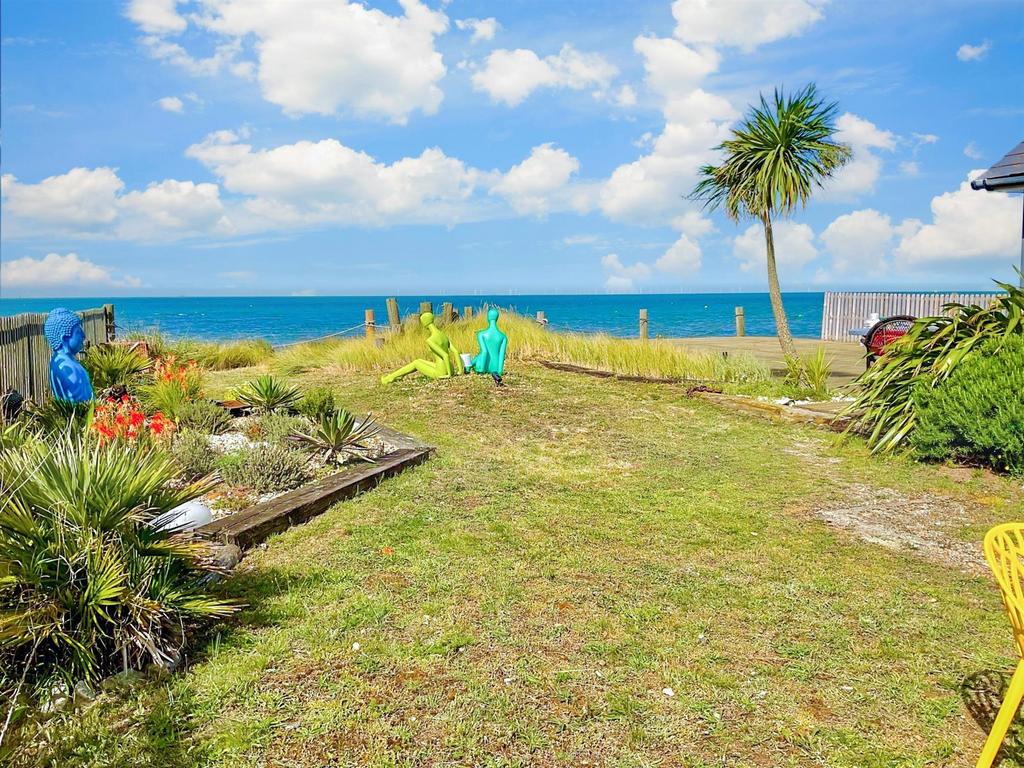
{"points": [[1004, 548]]}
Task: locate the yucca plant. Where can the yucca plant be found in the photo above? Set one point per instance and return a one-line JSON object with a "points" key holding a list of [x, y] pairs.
{"points": [[114, 365], [336, 435], [87, 584], [267, 393], [885, 406], [813, 372], [55, 417]]}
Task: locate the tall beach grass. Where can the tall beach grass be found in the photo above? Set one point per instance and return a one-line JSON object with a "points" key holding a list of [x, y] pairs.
{"points": [[213, 355], [528, 340]]}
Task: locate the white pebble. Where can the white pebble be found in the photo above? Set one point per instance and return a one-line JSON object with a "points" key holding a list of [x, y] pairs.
{"points": [[668, 692], [356, 646]]}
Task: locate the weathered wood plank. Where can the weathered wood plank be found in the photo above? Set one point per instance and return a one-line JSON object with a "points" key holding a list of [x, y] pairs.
{"points": [[252, 526]]}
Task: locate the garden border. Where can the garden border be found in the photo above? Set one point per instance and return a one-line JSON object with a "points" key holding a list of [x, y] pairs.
{"points": [[249, 527], [793, 414]]}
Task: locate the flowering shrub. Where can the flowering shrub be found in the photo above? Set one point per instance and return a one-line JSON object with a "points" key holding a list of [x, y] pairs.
{"points": [[124, 419], [174, 384]]}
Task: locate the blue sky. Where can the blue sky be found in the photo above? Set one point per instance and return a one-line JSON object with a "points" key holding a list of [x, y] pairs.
{"points": [[225, 147]]}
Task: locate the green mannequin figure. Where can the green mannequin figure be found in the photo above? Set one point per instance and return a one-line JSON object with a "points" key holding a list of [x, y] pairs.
{"points": [[445, 362], [493, 343]]}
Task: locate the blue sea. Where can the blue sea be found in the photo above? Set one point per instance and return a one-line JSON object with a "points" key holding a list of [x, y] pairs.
{"points": [[283, 319]]}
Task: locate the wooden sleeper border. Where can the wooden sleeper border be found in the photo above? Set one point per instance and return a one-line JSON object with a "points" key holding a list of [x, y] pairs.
{"points": [[252, 526]]}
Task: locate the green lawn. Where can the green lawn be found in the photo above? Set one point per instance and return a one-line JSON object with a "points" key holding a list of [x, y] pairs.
{"points": [[577, 547]]}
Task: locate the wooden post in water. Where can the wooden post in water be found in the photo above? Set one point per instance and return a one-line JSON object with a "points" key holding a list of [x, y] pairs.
{"points": [[467, 312], [426, 306], [643, 325], [371, 325], [447, 312], [541, 317], [394, 319], [108, 316], [741, 322]]}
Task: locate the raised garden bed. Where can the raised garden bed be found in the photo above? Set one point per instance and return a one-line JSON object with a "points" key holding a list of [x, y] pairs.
{"points": [[253, 525]]}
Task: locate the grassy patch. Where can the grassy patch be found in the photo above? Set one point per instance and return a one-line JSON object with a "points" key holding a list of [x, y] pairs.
{"points": [[576, 547]]}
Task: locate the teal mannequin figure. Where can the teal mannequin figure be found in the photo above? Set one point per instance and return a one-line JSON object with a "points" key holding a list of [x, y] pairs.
{"points": [[444, 363], [493, 343], [68, 379]]}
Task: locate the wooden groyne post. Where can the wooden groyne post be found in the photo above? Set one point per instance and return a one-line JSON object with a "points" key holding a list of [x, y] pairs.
{"points": [[467, 312], [370, 323], [394, 319], [426, 306], [643, 325], [741, 322], [447, 312]]}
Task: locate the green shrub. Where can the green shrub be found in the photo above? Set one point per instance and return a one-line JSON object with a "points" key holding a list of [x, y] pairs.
{"points": [[192, 451], [264, 468], [203, 415], [86, 578], [977, 414], [171, 387], [316, 402], [268, 393], [885, 407], [277, 427]]}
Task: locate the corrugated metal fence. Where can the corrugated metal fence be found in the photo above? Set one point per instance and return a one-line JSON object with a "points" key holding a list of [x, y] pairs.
{"points": [[25, 353], [845, 311]]}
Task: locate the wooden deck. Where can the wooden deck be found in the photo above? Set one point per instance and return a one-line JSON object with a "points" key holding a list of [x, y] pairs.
{"points": [[848, 358]]}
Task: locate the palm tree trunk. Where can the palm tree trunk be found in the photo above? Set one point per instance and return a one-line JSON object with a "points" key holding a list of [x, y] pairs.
{"points": [[775, 292]]}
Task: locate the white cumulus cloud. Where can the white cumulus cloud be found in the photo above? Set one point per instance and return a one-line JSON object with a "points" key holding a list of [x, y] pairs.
{"points": [[968, 52], [510, 76], [56, 271], [532, 186], [157, 17], [82, 197], [744, 24], [966, 224], [170, 104], [794, 246], [859, 241], [324, 58], [482, 29], [860, 175]]}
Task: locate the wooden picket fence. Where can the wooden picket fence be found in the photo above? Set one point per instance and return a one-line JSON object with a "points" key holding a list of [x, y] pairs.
{"points": [[25, 353], [844, 311]]}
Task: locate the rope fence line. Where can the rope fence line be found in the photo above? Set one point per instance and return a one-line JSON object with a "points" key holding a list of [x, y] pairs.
{"points": [[320, 338]]}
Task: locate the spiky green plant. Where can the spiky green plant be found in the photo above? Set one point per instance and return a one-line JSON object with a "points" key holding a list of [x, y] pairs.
{"points": [[336, 435], [55, 417], [114, 365], [812, 372], [267, 393], [86, 582], [775, 159], [885, 408]]}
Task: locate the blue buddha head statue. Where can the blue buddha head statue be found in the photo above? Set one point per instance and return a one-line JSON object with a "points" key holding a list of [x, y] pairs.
{"points": [[64, 331]]}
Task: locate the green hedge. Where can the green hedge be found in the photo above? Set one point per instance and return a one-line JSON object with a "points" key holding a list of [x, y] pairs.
{"points": [[977, 414]]}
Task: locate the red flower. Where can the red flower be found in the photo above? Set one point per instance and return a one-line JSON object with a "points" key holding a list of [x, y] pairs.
{"points": [[137, 418]]}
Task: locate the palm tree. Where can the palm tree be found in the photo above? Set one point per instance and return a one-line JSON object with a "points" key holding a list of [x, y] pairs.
{"points": [[776, 157]]}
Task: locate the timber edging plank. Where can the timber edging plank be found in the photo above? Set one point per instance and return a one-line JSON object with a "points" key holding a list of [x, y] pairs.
{"points": [[253, 525], [765, 409]]}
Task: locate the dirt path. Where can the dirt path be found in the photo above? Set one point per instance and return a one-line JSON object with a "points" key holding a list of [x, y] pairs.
{"points": [[923, 524]]}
